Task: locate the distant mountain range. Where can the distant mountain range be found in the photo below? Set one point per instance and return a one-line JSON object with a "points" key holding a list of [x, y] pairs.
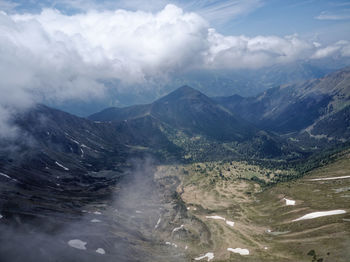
{"points": [[243, 82], [316, 109]]}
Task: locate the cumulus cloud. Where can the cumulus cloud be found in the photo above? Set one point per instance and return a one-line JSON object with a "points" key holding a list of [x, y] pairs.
{"points": [[340, 48], [254, 52], [51, 56]]}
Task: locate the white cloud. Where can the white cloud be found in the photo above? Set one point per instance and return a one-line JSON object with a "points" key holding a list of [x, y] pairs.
{"points": [[340, 48], [254, 52], [225, 10], [57, 57], [7, 5], [343, 15]]}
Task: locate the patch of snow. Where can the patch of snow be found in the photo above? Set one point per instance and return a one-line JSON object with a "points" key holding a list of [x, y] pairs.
{"points": [[329, 178], [289, 202], [230, 223], [1, 216], [4, 175], [77, 243], [241, 251], [208, 255], [266, 248], [188, 208], [60, 165], [95, 221], [186, 247], [320, 214], [178, 228], [158, 222], [97, 213], [8, 177], [100, 251], [138, 212], [216, 217], [171, 244], [268, 231]]}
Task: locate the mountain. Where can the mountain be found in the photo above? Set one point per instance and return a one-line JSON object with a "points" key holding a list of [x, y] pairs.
{"points": [[189, 110], [308, 107], [188, 115]]}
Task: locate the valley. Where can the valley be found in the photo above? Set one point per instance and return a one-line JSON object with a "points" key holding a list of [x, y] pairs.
{"points": [[185, 178]]}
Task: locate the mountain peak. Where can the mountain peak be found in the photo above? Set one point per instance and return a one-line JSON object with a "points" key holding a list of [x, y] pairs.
{"points": [[183, 92]]}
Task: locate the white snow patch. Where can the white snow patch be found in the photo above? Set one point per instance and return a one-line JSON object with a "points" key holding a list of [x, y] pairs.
{"points": [[230, 223], [320, 214], [97, 213], [186, 247], [4, 175], [178, 228], [266, 248], [158, 222], [289, 202], [95, 221], [77, 243], [100, 251], [8, 177], [216, 217], [60, 165], [74, 141], [241, 251], [171, 244], [329, 178], [208, 255], [138, 212], [1, 216]]}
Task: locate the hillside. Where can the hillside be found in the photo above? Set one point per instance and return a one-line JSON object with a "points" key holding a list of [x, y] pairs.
{"points": [[302, 110]]}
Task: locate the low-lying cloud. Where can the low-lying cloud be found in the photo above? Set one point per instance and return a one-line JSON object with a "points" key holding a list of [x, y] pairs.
{"points": [[52, 56]]}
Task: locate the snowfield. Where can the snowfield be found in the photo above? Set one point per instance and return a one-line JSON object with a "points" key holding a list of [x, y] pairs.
{"points": [[178, 228], [230, 223], [77, 243], [208, 255], [158, 222], [329, 178], [216, 217], [289, 202], [100, 251], [62, 166], [320, 214], [241, 251]]}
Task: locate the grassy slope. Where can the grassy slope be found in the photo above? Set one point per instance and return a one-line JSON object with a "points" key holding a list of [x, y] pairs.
{"points": [[217, 188]]}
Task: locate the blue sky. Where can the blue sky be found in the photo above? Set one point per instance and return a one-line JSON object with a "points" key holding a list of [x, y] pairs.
{"points": [[320, 19]]}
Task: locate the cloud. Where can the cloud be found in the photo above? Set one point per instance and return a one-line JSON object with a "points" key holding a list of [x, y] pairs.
{"points": [[7, 5], [254, 52], [344, 15], [52, 56], [340, 48], [219, 12]]}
